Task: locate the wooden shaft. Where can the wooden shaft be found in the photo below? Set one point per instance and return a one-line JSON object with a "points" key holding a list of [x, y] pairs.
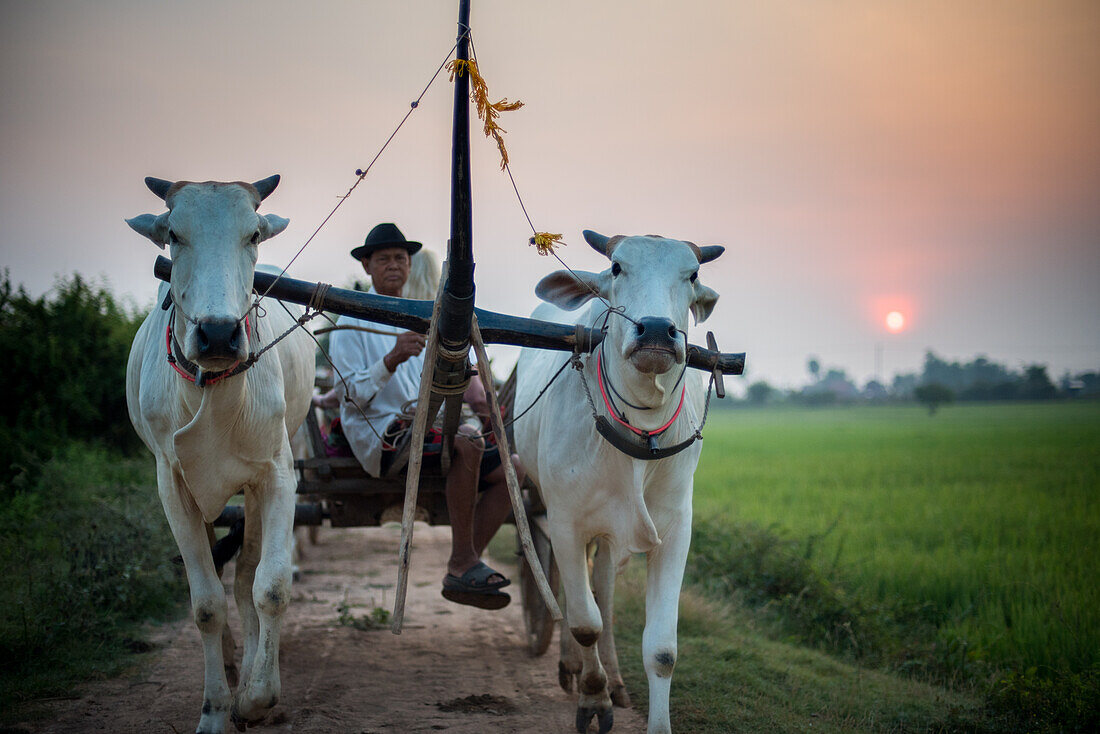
{"points": [[412, 477], [522, 527]]}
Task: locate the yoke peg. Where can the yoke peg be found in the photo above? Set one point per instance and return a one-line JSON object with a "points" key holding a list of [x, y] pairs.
{"points": [[719, 386]]}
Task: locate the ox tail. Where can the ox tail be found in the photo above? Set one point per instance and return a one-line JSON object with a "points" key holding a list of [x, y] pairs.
{"points": [[227, 547]]}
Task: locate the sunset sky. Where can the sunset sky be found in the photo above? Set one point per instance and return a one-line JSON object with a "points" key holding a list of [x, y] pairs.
{"points": [[939, 159]]}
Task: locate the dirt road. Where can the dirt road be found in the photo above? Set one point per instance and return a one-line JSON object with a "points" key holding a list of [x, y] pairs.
{"points": [[454, 669]]}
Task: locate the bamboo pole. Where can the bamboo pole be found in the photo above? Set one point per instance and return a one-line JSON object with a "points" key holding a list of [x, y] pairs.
{"points": [[522, 527]]}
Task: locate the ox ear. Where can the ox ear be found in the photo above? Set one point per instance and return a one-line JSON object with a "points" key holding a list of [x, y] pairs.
{"points": [[710, 252], [271, 225], [266, 186], [155, 228], [571, 290], [703, 303]]}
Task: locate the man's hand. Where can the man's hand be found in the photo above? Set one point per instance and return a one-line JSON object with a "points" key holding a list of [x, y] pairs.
{"points": [[409, 344]]}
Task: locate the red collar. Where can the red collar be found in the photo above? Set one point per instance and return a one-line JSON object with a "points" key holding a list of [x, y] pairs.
{"points": [[192, 372], [622, 421]]}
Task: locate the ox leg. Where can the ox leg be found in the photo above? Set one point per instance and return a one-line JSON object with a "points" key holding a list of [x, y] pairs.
{"points": [[664, 577], [229, 647], [585, 625], [603, 582], [243, 582], [270, 592], [569, 656], [208, 605]]}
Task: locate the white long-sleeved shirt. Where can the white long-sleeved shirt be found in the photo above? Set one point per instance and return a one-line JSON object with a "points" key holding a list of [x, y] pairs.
{"points": [[381, 394]]}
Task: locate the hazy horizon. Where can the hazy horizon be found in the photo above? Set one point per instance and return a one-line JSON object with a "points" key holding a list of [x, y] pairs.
{"points": [[938, 159]]}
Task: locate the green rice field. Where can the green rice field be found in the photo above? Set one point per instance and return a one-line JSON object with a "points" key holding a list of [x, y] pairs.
{"points": [[987, 515]]}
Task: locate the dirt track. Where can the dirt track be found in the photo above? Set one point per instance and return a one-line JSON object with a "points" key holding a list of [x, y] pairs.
{"points": [[338, 679]]}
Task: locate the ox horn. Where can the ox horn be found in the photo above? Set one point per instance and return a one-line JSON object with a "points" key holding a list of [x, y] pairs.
{"points": [[158, 186], [265, 186], [598, 242], [710, 252]]}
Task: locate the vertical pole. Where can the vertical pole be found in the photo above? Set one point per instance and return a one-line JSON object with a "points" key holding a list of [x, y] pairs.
{"points": [[458, 303], [452, 367]]}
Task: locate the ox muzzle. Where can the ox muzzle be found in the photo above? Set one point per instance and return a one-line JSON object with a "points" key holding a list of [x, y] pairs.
{"points": [[656, 345], [219, 339]]}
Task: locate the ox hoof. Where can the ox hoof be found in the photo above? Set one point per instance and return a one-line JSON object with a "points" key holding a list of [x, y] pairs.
{"points": [[242, 722], [619, 696], [238, 722], [585, 714], [566, 676]]}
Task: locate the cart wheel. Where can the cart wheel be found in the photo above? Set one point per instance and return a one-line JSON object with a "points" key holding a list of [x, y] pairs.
{"points": [[536, 617]]}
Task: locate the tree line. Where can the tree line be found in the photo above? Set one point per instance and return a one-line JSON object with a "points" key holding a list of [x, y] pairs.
{"points": [[939, 382], [66, 352]]}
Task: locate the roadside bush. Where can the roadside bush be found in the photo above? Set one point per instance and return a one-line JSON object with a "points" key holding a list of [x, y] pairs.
{"points": [[66, 353], [760, 569], [1064, 702], [86, 555]]}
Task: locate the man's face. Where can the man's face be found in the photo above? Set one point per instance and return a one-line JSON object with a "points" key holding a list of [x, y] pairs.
{"points": [[388, 270]]}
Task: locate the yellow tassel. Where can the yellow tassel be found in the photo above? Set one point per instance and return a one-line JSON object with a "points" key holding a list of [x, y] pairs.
{"points": [[457, 67], [545, 242], [486, 111]]}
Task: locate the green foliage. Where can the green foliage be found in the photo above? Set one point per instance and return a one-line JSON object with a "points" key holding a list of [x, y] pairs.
{"points": [[758, 567], [729, 677], [759, 392], [67, 356], [932, 395], [376, 619], [1064, 702], [85, 553], [963, 549], [981, 379]]}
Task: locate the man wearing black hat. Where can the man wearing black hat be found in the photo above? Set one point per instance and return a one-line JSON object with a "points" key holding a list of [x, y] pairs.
{"points": [[381, 366]]}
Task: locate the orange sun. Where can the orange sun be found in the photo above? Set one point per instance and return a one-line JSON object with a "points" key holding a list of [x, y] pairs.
{"points": [[895, 321]]}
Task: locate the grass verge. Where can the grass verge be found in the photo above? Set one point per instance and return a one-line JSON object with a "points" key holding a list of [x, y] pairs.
{"points": [[86, 555], [731, 677]]}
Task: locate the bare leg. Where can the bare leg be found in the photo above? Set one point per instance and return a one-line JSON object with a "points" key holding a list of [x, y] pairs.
{"points": [[494, 506], [461, 500]]}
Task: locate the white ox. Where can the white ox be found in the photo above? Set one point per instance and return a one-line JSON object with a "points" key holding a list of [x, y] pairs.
{"points": [[593, 492], [231, 435]]}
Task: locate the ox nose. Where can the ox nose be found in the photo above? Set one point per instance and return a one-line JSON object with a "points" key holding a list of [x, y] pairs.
{"points": [[656, 332], [218, 338]]}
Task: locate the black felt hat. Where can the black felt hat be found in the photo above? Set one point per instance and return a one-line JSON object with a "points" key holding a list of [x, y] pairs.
{"points": [[383, 236]]}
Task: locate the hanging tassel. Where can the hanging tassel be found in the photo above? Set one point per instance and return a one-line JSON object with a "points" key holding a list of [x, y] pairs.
{"points": [[544, 242], [487, 111]]}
